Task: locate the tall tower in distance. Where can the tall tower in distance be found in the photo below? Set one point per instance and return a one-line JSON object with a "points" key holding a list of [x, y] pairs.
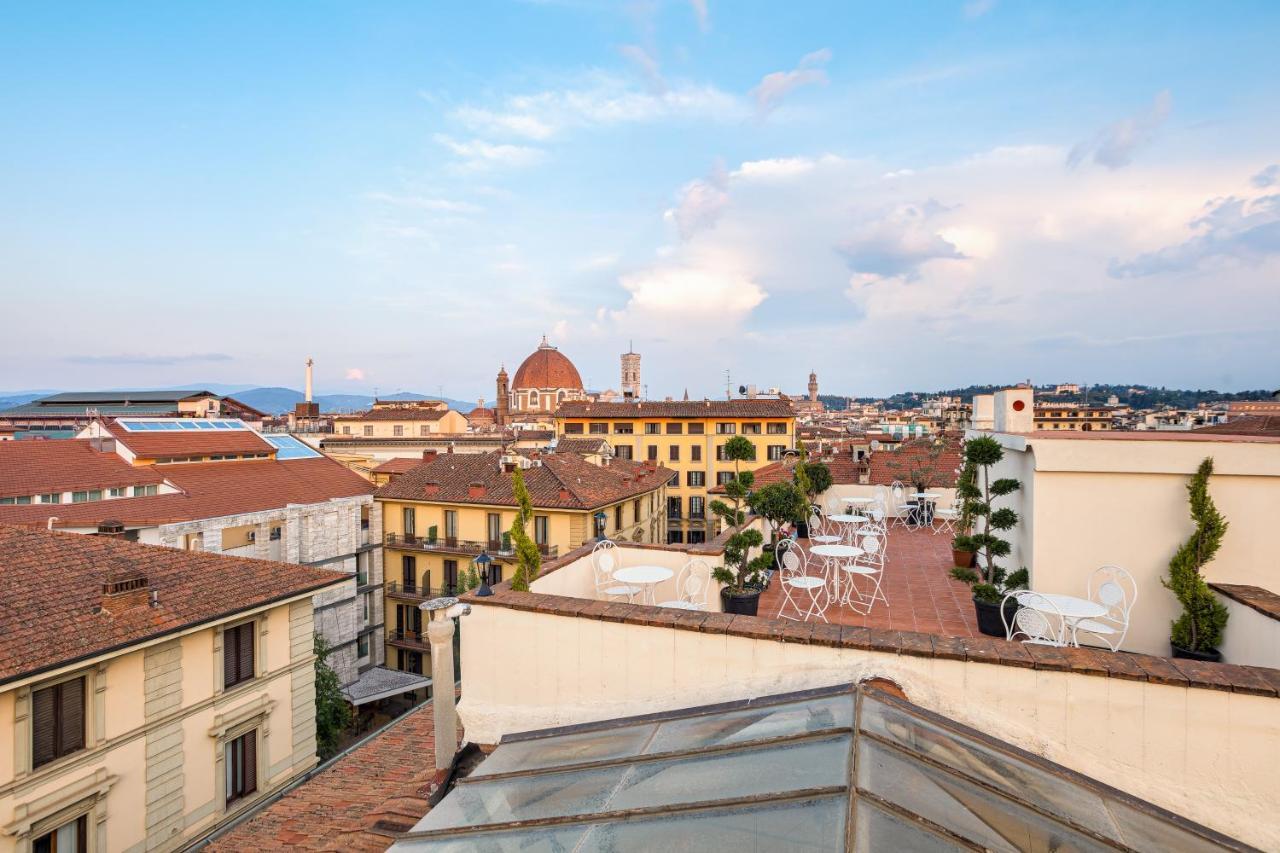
{"points": [[630, 374], [502, 406], [813, 386]]}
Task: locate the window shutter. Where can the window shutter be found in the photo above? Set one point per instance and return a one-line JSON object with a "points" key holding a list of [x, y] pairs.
{"points": [[43, 722], [71, 730], [250, 762], [229, 668], [246, 652]]}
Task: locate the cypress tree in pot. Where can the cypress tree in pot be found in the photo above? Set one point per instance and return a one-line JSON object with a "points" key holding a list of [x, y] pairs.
{"points": [[1198, 631]]}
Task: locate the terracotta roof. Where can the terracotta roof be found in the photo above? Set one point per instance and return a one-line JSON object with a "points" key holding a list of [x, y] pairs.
{"points": [[395, 414], [398, 465], [180, 443], [51, 584], [547, 367], [1266, 425], [761, 408], [569, 444], [845, 471], [890, 465], [358, 803], [561, 481], [208, 490], [480, 413], [64, 465]]}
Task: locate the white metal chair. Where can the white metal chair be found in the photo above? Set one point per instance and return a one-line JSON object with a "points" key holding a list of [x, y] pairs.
{"points": [[1115, 589], [901, 510], [818, 532], [832, 505], [945, 517], [794, 579], [604, 560], [869, 565], [1037, 619], [692, 585]]}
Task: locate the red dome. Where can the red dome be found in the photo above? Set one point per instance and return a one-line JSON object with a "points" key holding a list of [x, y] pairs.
{"points": [[547, 368]]}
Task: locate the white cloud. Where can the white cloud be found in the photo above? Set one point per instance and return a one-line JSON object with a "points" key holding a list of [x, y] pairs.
{"points": [[701, 203], [478, 155], [355, 374], [1115, 145], [773, 88], [504, 124], [689, 295], [1268, 177], [703, 15]]}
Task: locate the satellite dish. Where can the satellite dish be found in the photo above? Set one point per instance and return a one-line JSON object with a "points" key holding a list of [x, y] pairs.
{"points": [[742, 389]]}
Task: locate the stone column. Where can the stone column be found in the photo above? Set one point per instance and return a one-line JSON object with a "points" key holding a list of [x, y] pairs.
{"points": [[440, 635]]}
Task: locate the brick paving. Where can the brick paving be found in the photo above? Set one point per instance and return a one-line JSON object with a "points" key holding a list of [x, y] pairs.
{"points": [[922, 595]]}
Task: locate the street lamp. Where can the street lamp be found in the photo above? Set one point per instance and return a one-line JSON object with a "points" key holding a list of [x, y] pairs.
{"points": [[600, 519], [482, 566]]}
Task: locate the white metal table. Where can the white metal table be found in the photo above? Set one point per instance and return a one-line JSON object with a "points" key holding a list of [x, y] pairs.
{"points": [[849, 519], [858, 501], [646, 577], [836, 552], [922, 502], [1073, 609]]}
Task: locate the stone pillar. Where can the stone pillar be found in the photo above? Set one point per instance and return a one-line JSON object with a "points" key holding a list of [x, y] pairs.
{"points": [[440, 635]]}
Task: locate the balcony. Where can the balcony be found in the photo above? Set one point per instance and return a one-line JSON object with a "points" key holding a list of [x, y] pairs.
{"points": [[452, 545], [396, 589], [407, 638]]}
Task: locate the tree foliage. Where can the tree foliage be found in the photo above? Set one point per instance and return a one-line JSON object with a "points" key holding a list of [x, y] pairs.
{"points": [[333, 714], [1204, 617], [990, 582], [528, 557], [917, 461], [739, 570], [779, 503]]}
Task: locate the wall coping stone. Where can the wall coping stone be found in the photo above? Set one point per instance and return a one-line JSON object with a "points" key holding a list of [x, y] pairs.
{"points": [[1262, 600]]}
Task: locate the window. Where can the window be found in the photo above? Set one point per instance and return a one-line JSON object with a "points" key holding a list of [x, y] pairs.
{"points": [[241, 757], [237, 655], [368, 429], [424, 429], [397, 430], [362, 568], [57, 721], [275, 534], [540, 529], [675, 537], [450, 576], [573, 429], [366, 608], [674, 506], [495, 529], [726, 429], [696, 479], [776, 428], [623, 428], [56, 497], [751, 429], [697, 537], [409, 572], [720, 453], [673, 453], [599, 429], [724, 477], [653, 453], [635, 506], [115, 492], [617, 517], [776, 452], [71, 837], [675, 428], [623, 451], [696, 429], [697, 507], [21, 499], [141, 491], [451, 524], [410, 517], [674, 482], [85, 497], [695, 453], [495, 572], [362, 646], [652, 429], [346, 430]]}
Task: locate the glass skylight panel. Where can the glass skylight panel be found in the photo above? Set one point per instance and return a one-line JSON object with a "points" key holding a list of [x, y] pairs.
{"points": [[811, 715], [562, 750], [543, 795]]}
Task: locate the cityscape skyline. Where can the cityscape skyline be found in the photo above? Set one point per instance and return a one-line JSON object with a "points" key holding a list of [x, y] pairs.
{"points": [[894, 196]]}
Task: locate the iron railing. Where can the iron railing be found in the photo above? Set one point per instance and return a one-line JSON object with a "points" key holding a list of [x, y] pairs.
{"points": [[452, 545]]}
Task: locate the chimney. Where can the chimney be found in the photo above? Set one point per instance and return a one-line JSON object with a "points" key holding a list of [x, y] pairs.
{"points": [[564, 494], [428, 455], [110, 527], [475, 489], [1015, 410], [431, 488], [103, 444], [309, 363], [124, 591]]}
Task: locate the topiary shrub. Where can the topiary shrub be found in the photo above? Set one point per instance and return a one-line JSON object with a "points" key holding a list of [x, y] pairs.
{"points": [[1204, 617]]}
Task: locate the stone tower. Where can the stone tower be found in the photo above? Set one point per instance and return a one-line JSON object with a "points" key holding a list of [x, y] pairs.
{"points": [[502, 405], [813, 386], [631, 374]]}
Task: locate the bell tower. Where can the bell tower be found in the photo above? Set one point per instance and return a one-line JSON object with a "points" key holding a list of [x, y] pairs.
{"points": [[631, 374], [813, 386], [502, 405]]}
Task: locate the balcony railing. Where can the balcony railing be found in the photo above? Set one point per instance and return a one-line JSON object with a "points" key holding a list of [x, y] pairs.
{"points": [[409, 637], [420, 592], [451, 545]]}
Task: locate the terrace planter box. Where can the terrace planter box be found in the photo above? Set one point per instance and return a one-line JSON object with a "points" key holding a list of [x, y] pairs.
{"points": [[742, 604]]}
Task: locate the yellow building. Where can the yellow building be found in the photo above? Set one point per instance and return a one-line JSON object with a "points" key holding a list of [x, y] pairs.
{"points": [[1069, 416], [401, 419], [687, 437], [440, 515], [149, 695]]}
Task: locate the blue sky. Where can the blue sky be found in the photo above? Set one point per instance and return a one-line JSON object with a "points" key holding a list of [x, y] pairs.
{"points": [[899, 195]]}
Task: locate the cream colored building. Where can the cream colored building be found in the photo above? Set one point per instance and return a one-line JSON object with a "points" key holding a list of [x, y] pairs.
{"points": [[401, 419], [149, 695]]}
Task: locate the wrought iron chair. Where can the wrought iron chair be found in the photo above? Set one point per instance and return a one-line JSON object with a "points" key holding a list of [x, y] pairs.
{"points": [[1037, 619], [1115, 589], [692, 585], [605, 561], [795, 580]]}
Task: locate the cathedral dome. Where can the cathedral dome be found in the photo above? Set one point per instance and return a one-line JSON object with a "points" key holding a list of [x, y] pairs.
{"points": [[547, 367]]}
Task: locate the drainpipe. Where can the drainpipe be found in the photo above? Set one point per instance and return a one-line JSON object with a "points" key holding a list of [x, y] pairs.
{"points": [[444, 703]]}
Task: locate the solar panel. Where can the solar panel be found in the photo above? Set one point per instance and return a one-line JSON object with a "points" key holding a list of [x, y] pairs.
{"points": [[288, 447]]}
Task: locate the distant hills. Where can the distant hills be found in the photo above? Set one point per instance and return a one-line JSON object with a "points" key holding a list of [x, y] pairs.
{"points": [[275, 401]]}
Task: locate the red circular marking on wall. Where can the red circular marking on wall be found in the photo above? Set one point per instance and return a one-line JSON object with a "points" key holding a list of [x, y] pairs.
{"points": [[1019, 405]]}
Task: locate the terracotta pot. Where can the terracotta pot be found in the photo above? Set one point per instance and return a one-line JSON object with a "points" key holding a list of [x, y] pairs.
{"points": [[963, 559]]}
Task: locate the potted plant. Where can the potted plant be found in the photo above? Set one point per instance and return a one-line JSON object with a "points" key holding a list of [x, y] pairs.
{"points": [[779, 503], [528, 557], [801, 478], [918, 462], [813, 479], [964, 551], [1198, 631], [990, 583], [740, 574]]}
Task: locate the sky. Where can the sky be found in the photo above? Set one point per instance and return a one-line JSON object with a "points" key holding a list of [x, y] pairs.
{"points": [[897, 195]]}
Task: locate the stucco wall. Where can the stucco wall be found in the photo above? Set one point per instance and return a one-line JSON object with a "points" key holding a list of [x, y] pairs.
{"points": [[1253, 639], [1206, 754]]}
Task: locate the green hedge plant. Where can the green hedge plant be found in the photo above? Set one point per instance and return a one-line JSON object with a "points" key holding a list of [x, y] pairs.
{"points": [[1204, 617]]}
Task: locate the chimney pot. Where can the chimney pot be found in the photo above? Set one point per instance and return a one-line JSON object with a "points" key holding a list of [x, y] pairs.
{"points": [[428, 455], [564, 494], [475, 490]]}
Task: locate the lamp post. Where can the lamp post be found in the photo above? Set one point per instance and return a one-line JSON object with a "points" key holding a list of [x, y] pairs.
{"points": [[482, 567], [600, 519]]}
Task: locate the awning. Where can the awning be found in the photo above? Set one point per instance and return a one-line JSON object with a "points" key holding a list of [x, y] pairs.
{"points": [[382, 683]]}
